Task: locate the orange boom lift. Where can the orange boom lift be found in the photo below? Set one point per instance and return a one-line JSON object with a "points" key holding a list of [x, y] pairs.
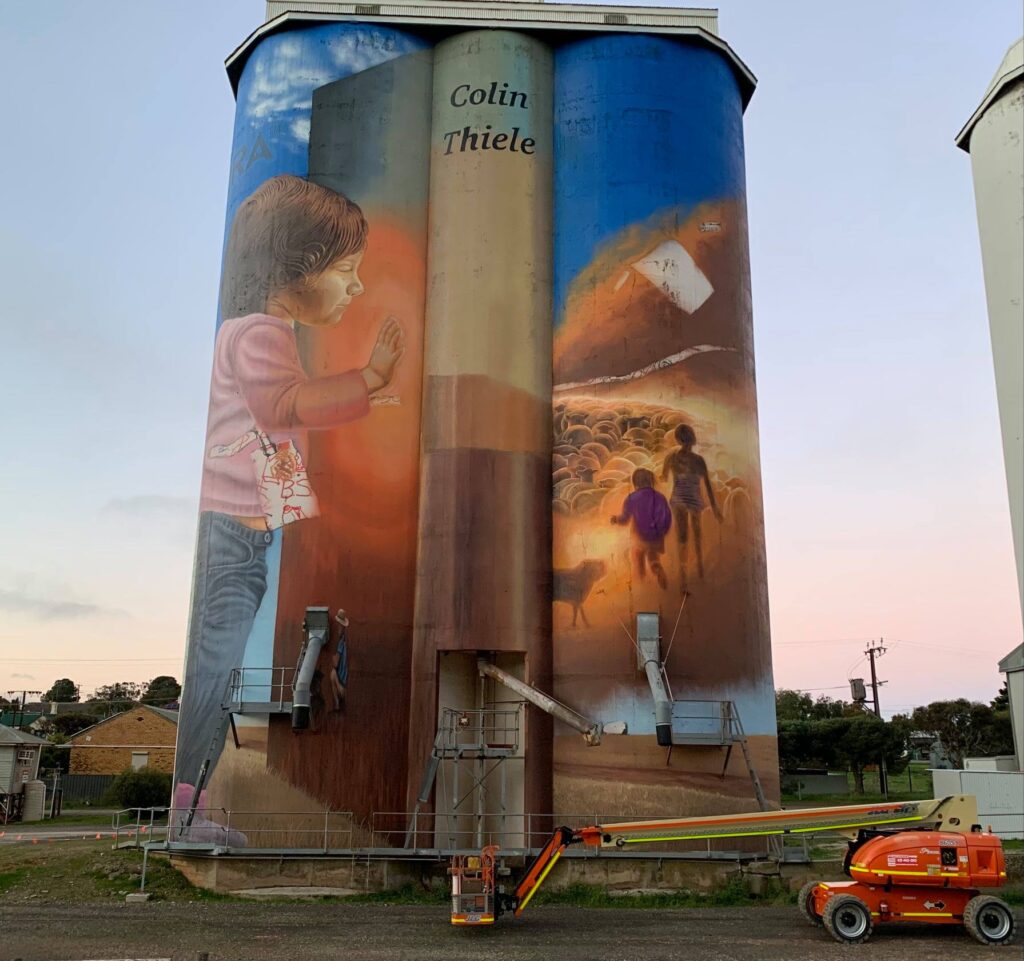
{"points": [[922, 861]]}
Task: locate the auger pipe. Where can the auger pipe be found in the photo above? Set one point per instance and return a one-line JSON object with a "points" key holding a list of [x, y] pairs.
{"points": [[317, 626], [649, 652], [591, 730]]}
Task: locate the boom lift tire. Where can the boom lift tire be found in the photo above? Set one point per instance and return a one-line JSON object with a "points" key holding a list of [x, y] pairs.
{"points": [[848, 919], [805, 901], [989, 920]]}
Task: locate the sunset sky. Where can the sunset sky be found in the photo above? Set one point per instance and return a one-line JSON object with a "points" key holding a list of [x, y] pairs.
{"points": [[885, 496]]}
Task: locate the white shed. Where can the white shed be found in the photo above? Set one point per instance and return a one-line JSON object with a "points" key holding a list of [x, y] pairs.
{"points": [[1013, 667], [19, 758]]}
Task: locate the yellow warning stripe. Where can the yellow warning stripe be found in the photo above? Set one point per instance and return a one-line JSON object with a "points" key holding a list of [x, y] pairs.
{"points": [[908, 874], [925, 914], [540, 881], [755, 834], [464, 921]]}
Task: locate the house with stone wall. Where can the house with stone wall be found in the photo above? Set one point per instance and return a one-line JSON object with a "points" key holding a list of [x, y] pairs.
{"points": [[142, 736]]}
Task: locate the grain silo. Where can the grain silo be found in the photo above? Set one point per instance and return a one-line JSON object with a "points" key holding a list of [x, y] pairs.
{"points": [[481, 470]]}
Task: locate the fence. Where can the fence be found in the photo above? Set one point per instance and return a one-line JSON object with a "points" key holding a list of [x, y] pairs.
{"points": [[77, 788], [398, 834]]}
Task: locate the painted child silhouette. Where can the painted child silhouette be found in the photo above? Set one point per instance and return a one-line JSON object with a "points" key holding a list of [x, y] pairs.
{"points": [[651, 517], [689, 482]]}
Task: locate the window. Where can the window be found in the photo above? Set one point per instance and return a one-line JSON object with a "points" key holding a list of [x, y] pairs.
{"points": [[140, 759], [26, 755]]}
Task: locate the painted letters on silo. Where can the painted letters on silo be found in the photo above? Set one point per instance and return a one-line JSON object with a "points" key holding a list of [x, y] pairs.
{"points": [[484, 552], [657, 495], [311, 457]]}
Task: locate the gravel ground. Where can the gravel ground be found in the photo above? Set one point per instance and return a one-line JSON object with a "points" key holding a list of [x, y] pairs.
{"points": [[311, 932]]}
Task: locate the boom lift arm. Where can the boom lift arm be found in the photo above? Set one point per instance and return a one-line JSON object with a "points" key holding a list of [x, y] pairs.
{"points": [[955, 814]]}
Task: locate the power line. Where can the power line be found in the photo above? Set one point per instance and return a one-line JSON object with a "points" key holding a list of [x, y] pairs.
{"points": [[805, 690], [91, 660], [832, 640]]}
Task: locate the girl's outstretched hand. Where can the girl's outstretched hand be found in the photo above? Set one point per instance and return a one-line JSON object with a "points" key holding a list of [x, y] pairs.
{"points": [[386, 354]]}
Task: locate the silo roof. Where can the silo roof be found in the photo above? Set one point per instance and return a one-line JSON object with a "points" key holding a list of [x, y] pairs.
{"points": [[1010, 70], [699, 23]]}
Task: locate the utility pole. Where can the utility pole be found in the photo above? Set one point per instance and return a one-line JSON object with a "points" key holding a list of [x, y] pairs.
{"points": [[24, 698], [871, 653]]}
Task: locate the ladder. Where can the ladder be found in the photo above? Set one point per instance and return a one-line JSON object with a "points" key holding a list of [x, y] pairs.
{"points": [[479, 735], [227, 717], [740, 737]]}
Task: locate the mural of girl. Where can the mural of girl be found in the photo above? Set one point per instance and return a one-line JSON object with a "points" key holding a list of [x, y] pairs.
{"points": [[689, 474], [292, 258]]}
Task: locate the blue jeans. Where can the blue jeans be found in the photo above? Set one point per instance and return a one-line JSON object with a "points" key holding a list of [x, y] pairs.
{"points": [[230, 580]]}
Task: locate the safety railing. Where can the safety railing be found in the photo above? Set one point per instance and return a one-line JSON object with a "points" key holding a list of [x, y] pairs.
{"points": [[136, 826], [384, 834], [703, 722], [11, 807], [256, 690], [491, 732]]}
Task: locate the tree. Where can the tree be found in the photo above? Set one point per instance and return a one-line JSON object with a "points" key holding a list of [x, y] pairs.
{"points": [[1001, 702], [966, 728], [162, 690], [63, 690], [866, 740], [799, 706], [852, 742], [143, 788], [800, 745], [118, 696], [66, 725], [53, 758]]}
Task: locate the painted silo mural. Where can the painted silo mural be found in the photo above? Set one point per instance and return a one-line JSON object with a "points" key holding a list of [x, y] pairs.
{"points": [[310, 470], [657, 495], [482, 388]]}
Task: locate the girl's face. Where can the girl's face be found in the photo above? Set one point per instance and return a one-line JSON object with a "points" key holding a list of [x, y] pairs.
{"points": [[322, 303]]}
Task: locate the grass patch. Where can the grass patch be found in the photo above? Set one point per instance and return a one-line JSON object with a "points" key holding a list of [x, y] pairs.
{"points": [[733, 893], [96, 818], [916, 787], [8, 879], [87, 870]]}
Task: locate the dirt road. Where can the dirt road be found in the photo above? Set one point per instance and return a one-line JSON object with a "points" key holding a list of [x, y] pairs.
{"points": [[318, 932]]}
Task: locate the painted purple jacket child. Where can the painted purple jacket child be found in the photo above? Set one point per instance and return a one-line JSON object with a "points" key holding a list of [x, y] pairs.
{"points": [[651, 517]]}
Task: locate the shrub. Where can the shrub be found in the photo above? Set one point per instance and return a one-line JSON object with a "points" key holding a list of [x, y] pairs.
{"points": [[141, 789]]}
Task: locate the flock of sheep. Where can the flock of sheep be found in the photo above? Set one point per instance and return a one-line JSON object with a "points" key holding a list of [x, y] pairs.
{"points": [[599, 444]]}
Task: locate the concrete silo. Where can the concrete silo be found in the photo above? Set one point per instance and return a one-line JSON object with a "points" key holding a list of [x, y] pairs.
{"points": [[484, 380], [994, 137]]}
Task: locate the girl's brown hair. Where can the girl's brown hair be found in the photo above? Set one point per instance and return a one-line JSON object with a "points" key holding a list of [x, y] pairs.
{"points": [[284, 234]]}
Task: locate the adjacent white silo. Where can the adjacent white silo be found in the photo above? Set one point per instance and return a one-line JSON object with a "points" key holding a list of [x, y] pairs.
{"points": [[994, 137]]}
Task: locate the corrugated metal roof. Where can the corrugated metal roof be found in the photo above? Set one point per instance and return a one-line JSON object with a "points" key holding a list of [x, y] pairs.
{"points": [[507, 11], [9, 735], [697, 23], [1014, 661], [1010, 70], [164, 712]]}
